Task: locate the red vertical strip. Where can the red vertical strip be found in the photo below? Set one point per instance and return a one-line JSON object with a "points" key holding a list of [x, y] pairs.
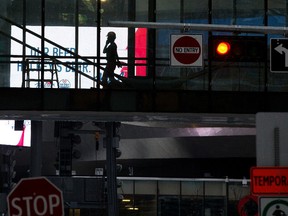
{"points": [[21, 141], [141, 50]]}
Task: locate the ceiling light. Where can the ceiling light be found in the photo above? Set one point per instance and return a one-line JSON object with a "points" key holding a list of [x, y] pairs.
{"points": [[133, 208]]}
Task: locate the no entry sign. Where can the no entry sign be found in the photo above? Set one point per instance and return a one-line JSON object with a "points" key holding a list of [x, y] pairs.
{"points": [[186, 50], [35, 197]]}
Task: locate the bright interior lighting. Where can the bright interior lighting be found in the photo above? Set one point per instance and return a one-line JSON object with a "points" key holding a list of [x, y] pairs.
{"points": [[133, 208]]}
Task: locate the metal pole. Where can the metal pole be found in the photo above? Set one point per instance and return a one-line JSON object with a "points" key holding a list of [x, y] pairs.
{"points": [[76, 44], [98, 42], [42, 41], [36, 148], [111, 171], [131, 38], [203, 27], [23, 46], [276, 146]]}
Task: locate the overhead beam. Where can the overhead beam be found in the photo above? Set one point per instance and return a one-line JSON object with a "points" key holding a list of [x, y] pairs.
{"points": [[203, 27]]}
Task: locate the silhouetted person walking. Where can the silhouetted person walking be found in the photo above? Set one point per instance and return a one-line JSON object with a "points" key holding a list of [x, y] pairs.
{"points": [[112, 58]]}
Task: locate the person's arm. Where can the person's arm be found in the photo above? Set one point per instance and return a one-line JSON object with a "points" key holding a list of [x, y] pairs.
{"points": [[105, 47]]}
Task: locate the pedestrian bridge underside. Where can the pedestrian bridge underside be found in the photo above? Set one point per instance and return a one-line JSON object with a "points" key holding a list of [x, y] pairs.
{"points": [[139, 101]]}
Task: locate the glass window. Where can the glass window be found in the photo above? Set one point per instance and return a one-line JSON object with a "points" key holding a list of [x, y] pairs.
{"points": [[215, 189], [277, 16], [215, 206], [127, 188], [192, 188], [191, 205], [33, 11], [141, 10], [114, 10], [87, 13], [138, 205], [239, 76], [146, 187], [169, 187], [195, 11], [238, 12], [168, 10], [226, 76], [277, 13], [60, 13], [168, 205], [237, 191], [177, 77]]}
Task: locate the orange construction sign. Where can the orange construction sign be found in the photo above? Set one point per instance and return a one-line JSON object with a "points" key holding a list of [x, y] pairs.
{"points": [[269, 180]]}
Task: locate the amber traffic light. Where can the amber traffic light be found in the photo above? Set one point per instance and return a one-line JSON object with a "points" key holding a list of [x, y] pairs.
{"points": [[238, 48], [223, 48]]}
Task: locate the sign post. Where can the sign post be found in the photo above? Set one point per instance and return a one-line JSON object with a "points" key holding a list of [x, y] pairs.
{"points": [[35, 197], [186, 50]]}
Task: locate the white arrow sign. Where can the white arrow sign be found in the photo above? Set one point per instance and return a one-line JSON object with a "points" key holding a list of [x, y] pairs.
{"points": [[282, 50]]}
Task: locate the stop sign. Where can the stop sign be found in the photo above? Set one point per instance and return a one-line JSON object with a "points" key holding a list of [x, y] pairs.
{"points": [[35, 196]]}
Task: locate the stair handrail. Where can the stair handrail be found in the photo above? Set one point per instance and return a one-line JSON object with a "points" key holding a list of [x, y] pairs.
{"points": [[48, 56], [54, 44]]}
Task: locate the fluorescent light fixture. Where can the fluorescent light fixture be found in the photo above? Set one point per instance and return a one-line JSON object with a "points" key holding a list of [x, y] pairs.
{"points": [[133, 208]]}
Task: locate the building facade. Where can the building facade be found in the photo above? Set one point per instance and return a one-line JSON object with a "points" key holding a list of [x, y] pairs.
{"points": [[51, 69]]}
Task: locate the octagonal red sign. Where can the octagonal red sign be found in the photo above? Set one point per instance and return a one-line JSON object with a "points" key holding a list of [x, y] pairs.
{"points": [[35, 196]]}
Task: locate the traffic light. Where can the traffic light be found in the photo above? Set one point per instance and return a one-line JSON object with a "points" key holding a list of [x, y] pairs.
{"points": [[223, 48], [68, 139], [238, 48]]}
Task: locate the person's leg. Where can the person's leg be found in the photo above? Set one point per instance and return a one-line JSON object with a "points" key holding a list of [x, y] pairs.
{"points": [[110, 72], [105, 76]]}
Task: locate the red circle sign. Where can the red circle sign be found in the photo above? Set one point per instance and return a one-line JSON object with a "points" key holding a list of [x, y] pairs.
{"points": [[35, 196], [186, 50]]}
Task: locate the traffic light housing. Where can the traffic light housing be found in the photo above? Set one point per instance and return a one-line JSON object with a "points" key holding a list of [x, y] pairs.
{"points": [[7, 171], [238, 48], [66, 131]]}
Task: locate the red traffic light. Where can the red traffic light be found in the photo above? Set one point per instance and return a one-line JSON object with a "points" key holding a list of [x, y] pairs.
{"points": [[223, 47], [238, 48]]}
